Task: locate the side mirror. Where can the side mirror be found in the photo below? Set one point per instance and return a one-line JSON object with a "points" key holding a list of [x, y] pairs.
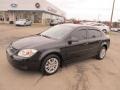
{"points": [[73, 39]]}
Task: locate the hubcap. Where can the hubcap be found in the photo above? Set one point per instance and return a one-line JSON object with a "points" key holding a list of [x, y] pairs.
{"points": [[51, 65], [102, 53], [104, 31]]}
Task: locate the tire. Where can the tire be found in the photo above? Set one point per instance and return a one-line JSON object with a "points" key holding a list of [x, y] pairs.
{"points": [[30, 24], [24, 24], [51, 24], [102, 53], [48, 69], [104, 30]]}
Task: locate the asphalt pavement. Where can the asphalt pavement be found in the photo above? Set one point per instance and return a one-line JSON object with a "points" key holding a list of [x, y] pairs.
{"points": [[90, 74]]}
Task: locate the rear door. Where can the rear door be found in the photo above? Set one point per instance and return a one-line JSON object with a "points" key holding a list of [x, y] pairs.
{"points": [[94, 41]]}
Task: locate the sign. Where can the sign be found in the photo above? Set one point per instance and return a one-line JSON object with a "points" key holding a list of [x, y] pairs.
{"points": [[37, 5], [52, 10], [13, 5]]}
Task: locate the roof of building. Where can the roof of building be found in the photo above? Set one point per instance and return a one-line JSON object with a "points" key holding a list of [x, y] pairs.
{"points": [[27, 5]]}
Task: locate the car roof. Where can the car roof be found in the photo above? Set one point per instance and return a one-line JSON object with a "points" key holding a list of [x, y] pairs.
{"points": [[75, 26], [80, 26]]}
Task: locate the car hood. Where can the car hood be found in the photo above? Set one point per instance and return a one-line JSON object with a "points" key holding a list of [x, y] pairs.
{"points": [[32, 42]]}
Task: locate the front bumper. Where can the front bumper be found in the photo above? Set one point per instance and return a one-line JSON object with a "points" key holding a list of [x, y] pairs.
{"points": [[20, 25], [22, 63]]}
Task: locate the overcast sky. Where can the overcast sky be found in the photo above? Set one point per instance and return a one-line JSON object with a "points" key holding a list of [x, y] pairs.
{"points": [[88, 9]]}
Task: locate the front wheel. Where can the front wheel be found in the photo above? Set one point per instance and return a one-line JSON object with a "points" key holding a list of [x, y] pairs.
{"points": [[50, 64], [102, 53]]}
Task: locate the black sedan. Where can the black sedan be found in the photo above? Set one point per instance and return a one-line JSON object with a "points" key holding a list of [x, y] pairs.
{"points": [[48, 50]]}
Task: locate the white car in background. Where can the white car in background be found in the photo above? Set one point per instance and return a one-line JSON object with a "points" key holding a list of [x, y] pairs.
{"points": [[115, 29], [101, 26], [23, 22], [56, 22]]}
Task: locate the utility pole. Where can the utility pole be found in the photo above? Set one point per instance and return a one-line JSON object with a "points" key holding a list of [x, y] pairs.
{"points": [[111, 19]]}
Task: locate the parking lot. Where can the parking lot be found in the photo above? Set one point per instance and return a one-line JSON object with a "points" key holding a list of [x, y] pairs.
{"points": [[90, 74]]}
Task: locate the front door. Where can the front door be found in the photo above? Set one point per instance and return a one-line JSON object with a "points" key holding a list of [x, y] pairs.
{"points": [[77, 48]]}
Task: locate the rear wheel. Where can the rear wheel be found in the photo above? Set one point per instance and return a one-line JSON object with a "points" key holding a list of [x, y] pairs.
{"points": [[24, 24], [102, 53], [104, 30], [30, 24], [50, 64]]}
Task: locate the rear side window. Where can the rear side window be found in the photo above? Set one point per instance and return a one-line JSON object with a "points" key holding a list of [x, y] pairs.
{"points": [[80, 34], [93, 34]]}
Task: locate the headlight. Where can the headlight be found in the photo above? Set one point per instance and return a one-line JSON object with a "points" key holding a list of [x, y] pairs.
{"points": [[27, 52]]}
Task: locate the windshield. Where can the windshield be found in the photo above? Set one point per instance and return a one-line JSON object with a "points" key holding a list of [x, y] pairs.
{"points": [[22, 20], [57, 32]]}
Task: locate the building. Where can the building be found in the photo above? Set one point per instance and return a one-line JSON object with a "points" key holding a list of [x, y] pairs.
{"points": [[39, 11]]}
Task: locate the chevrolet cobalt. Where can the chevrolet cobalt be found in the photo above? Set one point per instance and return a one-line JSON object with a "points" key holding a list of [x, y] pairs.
{"points": [[50, 49]]}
